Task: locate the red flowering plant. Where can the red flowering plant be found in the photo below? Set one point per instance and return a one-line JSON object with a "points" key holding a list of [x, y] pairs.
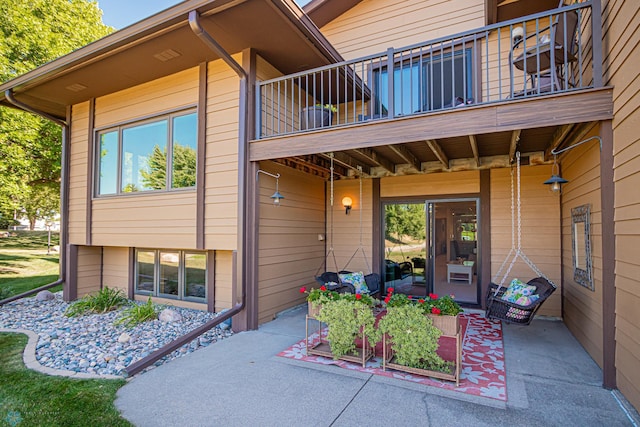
{"points": [[320, 295], [362, 298], [431, 304]]}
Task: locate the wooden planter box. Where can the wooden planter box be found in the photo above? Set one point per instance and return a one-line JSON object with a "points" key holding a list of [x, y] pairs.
{"points": [[313, 309], [388, 361], [448, 325]]}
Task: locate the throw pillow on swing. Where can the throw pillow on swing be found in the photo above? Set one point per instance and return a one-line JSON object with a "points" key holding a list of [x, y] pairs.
{"points": [[520, 293], [356, 280]]}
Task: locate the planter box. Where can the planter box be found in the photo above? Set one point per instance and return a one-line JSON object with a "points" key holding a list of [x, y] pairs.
{"points": [[360, 355], [448, 325], [313, 309], [315, 117]]}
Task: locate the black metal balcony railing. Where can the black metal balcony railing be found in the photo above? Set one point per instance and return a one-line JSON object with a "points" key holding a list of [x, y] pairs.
{"points": [[540, 54]]}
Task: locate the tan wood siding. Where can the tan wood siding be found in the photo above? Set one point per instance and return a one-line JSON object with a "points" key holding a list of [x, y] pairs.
{"points": [[88, 274], [177, 91], [621, 35], [163, 220], [223, 280], [289, 249], [467, 182], [221, 182], [372, 26], [583, 307], [78, 179], [115, 268], [540, 229]]}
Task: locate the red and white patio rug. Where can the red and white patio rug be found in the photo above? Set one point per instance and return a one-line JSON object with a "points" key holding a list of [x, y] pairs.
{"points": [[482, 374]]}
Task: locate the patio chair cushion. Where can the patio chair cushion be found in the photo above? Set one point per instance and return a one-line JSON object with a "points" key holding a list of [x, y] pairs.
{"points": [[357, 280], [520, 293]]}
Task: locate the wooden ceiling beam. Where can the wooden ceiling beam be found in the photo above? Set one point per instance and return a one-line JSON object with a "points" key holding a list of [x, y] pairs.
{"points": [[376, 158], [515, 137], [348, 161], [438, 152], [577, 134], [474, 149], [406, 155], [558, 138]]}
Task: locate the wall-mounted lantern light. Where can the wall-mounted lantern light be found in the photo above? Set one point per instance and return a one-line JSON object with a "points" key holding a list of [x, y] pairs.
{"points": [[556, 180], [347, 203], [276, 196]]}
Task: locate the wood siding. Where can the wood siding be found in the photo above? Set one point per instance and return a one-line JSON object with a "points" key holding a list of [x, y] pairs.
{"points": [[290, 251], [372, 26], [78, 179], [540, 211], [115, 268], [223, 286], [155, 220], [467, 182], [582, 307], [88, 274], [221, 183], [621, 35]]}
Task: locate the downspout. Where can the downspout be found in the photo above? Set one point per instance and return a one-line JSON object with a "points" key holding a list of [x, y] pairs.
{"points": [[64, 202], [206, 38]]}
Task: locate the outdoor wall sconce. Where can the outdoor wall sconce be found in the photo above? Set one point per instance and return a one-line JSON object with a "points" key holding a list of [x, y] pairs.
{"points": [[276, 196], [517, 34], [347, 203], [556, 180]]}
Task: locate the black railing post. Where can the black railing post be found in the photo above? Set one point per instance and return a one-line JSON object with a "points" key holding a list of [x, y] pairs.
{"points": [[390, 70], [596, 40]]}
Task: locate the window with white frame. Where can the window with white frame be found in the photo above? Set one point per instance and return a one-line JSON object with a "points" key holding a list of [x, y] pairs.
{"points": [[150, 155], [171, 274]]}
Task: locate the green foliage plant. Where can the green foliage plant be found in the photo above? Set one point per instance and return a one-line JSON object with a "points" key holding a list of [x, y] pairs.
{"points": [[106, 299], [414, 339], [319, 296], [432, 304], [329, 107], [347, 320], [137, 314]]}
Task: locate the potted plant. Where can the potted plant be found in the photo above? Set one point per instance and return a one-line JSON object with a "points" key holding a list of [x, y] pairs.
{"points": [[317, 116], [316, 297], [349, 319], [443, 311]]}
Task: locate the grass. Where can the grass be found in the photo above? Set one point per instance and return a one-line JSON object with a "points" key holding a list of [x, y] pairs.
{"points": [[29, 398], [24, 262]]}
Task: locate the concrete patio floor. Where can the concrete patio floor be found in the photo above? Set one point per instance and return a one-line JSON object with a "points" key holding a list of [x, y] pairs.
{"points": [[551, 381]]}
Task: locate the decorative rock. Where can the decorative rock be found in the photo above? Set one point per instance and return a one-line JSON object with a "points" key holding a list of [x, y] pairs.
{"points": [[169, 315], [124, 338], [45, 296]]}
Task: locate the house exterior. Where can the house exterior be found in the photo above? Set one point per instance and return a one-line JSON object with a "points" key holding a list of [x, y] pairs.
{"points": [[169, 124]]}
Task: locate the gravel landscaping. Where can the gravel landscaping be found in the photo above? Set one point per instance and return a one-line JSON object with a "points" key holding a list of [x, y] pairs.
{"points": [[92, 344]]}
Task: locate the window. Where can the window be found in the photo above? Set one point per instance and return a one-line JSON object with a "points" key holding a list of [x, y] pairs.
{"points": [[133, 158], [431, 81], [171, 274]]}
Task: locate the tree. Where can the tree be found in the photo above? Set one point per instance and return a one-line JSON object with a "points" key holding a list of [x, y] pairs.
{"points": [[33, 32], [183, 168], [405, 220]]}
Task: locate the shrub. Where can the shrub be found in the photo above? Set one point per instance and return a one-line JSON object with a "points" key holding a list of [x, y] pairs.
{"points": [[137, 314], [106, 299]]}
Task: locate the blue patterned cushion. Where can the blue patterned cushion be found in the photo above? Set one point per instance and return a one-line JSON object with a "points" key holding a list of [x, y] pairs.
{"points": [[357, 280], [520, 293]]}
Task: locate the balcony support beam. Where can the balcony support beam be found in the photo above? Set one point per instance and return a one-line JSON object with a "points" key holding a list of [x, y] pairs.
{"points": [[515, 137], [376, 158], [437, 151], [474, 149], [348, 162], [406, 155], [558, 138]]}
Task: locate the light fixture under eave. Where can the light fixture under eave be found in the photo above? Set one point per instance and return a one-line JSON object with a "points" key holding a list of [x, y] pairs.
{"points": [[347, 203], [556, 180], [276, 197]]}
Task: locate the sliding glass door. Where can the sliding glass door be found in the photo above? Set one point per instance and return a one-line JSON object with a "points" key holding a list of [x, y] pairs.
{"points": [[431, 246]]}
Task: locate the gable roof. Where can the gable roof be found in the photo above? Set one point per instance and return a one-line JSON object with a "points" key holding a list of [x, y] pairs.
{"points": [[164, 44]]}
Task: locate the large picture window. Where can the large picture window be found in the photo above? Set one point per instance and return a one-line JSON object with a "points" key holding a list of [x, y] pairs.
{"points": [[157, 154], [171, 274]]}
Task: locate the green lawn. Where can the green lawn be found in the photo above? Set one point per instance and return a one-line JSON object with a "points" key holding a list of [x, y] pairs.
{"points": [[29, 398], [24, 262]]}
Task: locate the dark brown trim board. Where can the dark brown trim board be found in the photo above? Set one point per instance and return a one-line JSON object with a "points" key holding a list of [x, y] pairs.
{"points": [[70, 288], [202, 155], [211, 281], [132, 273], [485, 233], [608, 257], [90, 168], [376, 233]]}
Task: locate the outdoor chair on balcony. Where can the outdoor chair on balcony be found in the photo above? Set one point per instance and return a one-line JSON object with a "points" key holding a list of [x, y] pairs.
{"points": [[544, 57]]}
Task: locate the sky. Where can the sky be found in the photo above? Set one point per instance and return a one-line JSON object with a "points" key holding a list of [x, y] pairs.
{"points": [[122, 13]]}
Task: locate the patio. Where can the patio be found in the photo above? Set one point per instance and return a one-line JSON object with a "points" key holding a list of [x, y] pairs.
{"points": [[240, 381]]}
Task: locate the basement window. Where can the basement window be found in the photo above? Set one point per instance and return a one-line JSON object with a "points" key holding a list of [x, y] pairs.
{"points": [[171, 274], [152, 155]]}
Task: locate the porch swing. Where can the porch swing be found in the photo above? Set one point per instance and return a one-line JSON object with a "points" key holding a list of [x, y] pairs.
{"points": [[340, 279], [518, 302]]}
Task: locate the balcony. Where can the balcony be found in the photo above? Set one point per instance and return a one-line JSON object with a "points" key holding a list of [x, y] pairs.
{"points": [[531, 72]]}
